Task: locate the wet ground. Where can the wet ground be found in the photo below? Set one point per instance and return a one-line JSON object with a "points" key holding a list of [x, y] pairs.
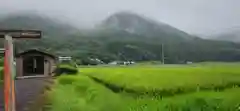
{"points": [[26, 92]]}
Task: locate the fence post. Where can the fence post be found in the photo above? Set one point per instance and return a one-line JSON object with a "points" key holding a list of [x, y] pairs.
{"points": [[9, 66], [9, 75]]}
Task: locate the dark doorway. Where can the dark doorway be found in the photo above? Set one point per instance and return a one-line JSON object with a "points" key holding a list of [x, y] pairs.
{"points": [[33, 65]]}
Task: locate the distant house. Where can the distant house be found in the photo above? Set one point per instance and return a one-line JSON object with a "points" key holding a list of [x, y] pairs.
{"points": [[128, 62], [64, 58], [98, 61], [113, 63], [189, 62], [121, 63], [35, 63]]}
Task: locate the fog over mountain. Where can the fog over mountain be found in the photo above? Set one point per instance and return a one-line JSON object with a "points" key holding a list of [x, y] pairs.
{"points": [[120, 36], [199, 17], [232, 35]]}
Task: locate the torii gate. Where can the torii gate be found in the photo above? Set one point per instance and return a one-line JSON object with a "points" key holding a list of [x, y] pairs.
{"points": [[9, 67]]}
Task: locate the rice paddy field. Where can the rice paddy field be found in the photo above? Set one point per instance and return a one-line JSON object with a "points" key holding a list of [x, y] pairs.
{"points": [[195, 87]]}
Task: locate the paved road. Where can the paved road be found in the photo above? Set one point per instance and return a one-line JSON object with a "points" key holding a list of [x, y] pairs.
{"points": [[26, 91]]}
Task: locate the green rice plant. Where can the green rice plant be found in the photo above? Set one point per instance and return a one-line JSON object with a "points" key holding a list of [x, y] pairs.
{"points": [[196, 87], [87, 95], [168, 80], [67, 80], [83, 96]]}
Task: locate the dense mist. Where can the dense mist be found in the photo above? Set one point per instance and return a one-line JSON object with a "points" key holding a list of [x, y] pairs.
{"points": [[200, 17]]}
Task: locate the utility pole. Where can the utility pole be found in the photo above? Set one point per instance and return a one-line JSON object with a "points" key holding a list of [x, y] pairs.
{"points": [[163, 58]]}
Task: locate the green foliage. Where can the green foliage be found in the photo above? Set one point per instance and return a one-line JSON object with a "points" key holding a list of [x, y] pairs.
{"points": [[1, 61], [78, 62], [88, 61], [83, 95], [1, 74], [80, 92], [149, 63], [109, 45], [159, 79], [66, 69], [64, 80], [90, 96], [137, 49]]}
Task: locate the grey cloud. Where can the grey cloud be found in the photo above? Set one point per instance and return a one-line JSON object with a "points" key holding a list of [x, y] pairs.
{"points": [[194, 16]]}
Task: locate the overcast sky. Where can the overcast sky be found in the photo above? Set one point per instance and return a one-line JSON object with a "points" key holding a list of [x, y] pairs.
{"points": [[202, 17]]}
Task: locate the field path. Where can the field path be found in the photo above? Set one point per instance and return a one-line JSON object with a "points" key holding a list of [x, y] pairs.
{"points": [[27, 90]]}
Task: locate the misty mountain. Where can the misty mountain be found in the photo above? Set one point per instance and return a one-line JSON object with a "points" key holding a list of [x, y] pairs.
{"points": [[124, 36], [140, 25], [33, 21], [233, 36]]}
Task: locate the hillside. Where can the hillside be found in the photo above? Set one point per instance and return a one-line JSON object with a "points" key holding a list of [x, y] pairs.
{"points": [[124, 36], [33, 21], [137, 24]]}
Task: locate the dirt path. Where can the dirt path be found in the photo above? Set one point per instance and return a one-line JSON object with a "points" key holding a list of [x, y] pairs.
{"points": [[26, 92]]}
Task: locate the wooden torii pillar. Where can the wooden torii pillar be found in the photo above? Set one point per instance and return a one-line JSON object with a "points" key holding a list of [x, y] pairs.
{"points": [[9, 66]]}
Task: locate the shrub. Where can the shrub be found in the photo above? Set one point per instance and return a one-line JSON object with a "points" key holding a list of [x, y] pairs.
{"points": [[1, 74], [1, 61], [66, 69], [78, 62]]}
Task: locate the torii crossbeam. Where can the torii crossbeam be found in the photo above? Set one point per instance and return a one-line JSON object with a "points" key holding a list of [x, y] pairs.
{"points": [[9, 67]]}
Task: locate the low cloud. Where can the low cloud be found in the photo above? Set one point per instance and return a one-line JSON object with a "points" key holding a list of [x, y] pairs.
{"points": [[203, 17]]}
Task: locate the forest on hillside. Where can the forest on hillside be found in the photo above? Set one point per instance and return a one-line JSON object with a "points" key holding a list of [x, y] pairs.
{"points": [[142, 40]]}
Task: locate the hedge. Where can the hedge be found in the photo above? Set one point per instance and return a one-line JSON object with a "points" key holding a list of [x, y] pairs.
{"points": [[66, 69], [1, 74]]}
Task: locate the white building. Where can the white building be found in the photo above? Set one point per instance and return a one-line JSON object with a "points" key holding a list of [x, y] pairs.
{"points": [[64, 58]]}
